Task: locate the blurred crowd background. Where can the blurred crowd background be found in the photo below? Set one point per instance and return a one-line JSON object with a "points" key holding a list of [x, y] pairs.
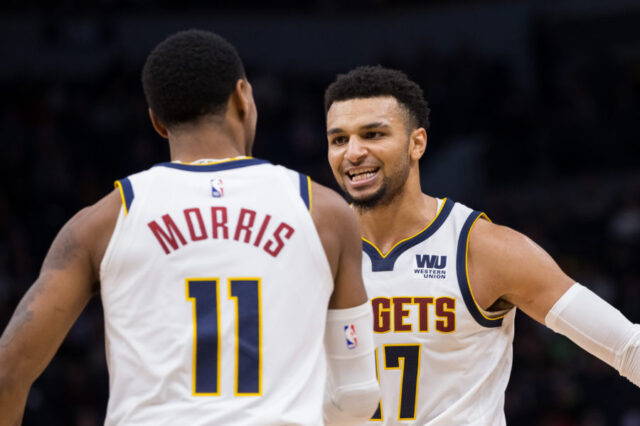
{"points": [[535, 111]]}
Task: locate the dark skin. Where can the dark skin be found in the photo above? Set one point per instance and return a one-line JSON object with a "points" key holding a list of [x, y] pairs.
{"points": [[68, 279], [371, 145], [71, 270]]}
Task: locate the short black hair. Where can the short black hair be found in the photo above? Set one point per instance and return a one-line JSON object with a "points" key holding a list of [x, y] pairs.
{"points": [[190, 74], [373, 81]]}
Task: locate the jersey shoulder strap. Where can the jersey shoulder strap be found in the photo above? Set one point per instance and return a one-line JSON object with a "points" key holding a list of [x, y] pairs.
{"points": [[126, 193], [302, 182], [462, 257]]}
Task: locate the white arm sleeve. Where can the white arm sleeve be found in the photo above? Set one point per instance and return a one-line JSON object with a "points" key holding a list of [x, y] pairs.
{"points": [[598, 328], [352, 392]]}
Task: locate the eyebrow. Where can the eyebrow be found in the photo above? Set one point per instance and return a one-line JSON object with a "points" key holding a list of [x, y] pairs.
{"points": [[376, 125]]}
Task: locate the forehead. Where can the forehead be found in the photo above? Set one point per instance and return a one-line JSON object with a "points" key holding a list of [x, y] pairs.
{"points": [[352, 114]]}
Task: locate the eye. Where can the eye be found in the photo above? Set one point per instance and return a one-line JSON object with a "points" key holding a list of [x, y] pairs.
{"points": [[339, 140], [373, 135]]}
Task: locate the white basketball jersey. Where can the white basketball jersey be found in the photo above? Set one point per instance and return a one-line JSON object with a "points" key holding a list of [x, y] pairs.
{"points": [[215, 288], [441, 360]]}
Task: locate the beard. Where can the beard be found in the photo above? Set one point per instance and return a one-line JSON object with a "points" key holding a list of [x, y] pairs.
{"points": [[390, 188], [373, 200]]}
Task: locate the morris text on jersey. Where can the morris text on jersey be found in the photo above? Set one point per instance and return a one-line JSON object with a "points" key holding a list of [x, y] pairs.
{"points": [[251, 227]]}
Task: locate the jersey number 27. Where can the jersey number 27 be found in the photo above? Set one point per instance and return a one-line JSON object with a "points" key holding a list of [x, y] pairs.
{"points": [[406, 358]]}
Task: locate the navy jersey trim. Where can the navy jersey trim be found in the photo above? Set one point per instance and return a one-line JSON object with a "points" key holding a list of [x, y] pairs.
{"points": [[126, 193], [463, 278], [305, 190], [381, 263], [216, 167]]}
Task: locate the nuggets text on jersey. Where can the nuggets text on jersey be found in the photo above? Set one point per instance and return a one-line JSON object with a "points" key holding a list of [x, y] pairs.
{"points": [[390, 314]]}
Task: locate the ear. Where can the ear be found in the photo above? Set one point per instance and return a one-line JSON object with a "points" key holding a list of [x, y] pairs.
{"points": [[158, 125], [417, 143], [242, 95]]}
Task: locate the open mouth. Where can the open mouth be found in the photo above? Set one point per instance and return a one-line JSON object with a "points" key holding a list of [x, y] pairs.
{"points": [[362, 174]]}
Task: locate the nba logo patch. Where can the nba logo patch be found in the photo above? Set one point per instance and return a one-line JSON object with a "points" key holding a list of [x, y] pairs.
{"points": [[350, 336], [217, 190]]}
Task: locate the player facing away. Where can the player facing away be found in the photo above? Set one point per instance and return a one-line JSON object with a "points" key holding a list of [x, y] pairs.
{"points": [[443, 280], [230, 286]]}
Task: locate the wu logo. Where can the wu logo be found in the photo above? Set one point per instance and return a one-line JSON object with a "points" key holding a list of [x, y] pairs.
{"points": [[430, 266], [426, 261]]}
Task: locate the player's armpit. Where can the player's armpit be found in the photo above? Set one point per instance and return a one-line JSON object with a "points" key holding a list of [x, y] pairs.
{"points": [[340, 235], [506, 266], [50, 307]]}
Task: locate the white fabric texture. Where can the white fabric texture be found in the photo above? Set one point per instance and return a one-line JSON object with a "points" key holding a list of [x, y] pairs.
{"points": [[352, 391], [598, 328]]}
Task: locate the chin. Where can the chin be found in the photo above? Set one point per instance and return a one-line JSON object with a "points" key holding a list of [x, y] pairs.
{"points": [[366, 202]]}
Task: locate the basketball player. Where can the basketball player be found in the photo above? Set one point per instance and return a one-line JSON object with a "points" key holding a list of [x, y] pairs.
{"points": [[219, 273], [443, 280]]}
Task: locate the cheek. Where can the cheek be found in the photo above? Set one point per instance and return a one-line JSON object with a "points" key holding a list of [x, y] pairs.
{"points": [[398, 162], [334, 161]]}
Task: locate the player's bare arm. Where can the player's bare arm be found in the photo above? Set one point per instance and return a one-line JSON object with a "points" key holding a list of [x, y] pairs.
{"points": [[340, 235], [352, 392], [66, 282], [508, 269]]}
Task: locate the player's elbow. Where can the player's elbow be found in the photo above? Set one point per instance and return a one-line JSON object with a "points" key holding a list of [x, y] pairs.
{"points": [[360, 402], [628, 361], [13, 396], [7, 378], [13, 375], [8, 381]]}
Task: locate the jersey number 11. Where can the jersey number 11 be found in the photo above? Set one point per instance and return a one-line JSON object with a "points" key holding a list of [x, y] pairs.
{"points": [[204, 293]]}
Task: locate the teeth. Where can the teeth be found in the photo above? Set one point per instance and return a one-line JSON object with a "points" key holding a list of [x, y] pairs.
{"points": [[362, 174]]}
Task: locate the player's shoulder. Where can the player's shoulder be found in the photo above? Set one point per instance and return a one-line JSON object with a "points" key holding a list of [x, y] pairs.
{"points": [[502, 254], [329, 204], [334, 219], [324, 199], [94, 224], [492, 238], [94, 215], [328, 209], [336, 224]]}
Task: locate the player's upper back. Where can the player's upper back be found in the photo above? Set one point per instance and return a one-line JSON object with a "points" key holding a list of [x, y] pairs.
{"points": [[231, 200], [210, 265]]}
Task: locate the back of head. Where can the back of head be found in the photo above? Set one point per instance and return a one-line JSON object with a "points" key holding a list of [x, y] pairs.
{"points": [[190, 74], [374, 81]]}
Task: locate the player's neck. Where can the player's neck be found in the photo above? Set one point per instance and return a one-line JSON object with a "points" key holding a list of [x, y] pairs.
{"points": [[206, 140], [408, 214]]}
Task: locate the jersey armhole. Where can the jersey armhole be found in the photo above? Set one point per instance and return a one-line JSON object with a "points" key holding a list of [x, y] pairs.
{"points": [[305, 190], [462, 257], [126, 193]]}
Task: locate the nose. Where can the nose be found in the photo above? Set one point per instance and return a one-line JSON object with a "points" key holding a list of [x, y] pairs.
{"points": [[356, 150]]}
